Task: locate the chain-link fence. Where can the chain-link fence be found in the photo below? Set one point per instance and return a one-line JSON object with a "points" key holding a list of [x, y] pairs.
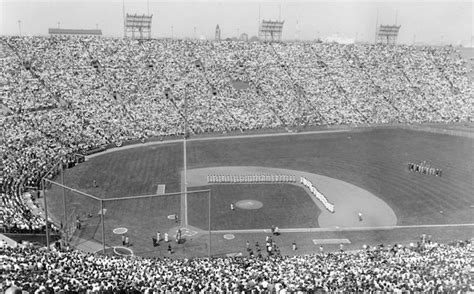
{"points": [[148, 225]]}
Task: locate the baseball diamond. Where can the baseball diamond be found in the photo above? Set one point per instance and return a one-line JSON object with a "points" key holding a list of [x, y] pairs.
{"points": [[378, 185]]}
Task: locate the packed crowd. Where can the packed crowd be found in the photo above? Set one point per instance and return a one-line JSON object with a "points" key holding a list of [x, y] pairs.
{"points": [[69, 94], [429, 268]]}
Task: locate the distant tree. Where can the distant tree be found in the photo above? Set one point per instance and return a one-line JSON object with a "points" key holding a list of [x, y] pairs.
{"points": [[253, 39]]}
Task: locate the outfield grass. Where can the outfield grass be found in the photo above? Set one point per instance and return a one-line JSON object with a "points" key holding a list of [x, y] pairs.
{"points": [[130, 172], [284, 206], [374, 160]]}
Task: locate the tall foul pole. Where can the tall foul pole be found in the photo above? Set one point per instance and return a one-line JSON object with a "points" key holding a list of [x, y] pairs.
{"points": [[209, 223], [64, 204], [185, 171], [46, 213], [102, 220]]}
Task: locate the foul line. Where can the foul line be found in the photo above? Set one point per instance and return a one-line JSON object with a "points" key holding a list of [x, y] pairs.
{"points": [[310, 230]]}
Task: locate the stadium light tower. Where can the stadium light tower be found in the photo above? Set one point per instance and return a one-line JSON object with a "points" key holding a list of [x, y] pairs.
{"points": [[270, 30], [140, 24], [387, 34]]}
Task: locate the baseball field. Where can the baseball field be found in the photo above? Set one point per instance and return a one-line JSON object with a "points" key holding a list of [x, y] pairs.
{"points": [[359, 171]]}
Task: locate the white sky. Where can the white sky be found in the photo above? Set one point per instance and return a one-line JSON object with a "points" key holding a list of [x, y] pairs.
{"points": [[434, 22]]}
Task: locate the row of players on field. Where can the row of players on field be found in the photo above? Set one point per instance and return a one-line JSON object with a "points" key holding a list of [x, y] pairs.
{"points": [[263, 178], [424, 168], [308, 184]]}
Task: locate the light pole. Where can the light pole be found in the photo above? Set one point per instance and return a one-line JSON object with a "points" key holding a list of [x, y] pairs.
{"points": [[46, 212], [64, 203], [209, 224], [19, 26], [185, 125], [103, 225]]}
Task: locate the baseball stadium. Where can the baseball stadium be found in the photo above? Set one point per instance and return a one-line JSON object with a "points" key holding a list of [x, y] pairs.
{"points": [[150, 165]]}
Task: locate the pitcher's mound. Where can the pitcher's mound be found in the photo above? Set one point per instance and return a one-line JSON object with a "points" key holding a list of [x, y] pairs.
{"points": [[249, 204]]}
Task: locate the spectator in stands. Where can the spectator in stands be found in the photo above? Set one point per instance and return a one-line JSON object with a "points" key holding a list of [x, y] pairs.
{"points": [[431, 267]]}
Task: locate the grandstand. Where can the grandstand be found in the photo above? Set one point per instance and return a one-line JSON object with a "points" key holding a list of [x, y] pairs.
{"points": [[84, 95]]}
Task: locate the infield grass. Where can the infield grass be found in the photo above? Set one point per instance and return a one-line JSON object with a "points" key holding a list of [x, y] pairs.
{"points": [[284, 206]]}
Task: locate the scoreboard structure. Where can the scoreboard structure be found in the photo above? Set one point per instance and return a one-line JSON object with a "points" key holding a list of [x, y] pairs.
{"points": [[137, 26], [270, 31], [387, 34]]}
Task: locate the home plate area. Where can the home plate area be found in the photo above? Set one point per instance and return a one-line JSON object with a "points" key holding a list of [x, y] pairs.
{"points": [[188, 232]]}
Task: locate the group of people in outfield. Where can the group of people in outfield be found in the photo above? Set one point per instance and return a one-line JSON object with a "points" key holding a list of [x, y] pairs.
{"points": [[424, 168], [261, 178]]}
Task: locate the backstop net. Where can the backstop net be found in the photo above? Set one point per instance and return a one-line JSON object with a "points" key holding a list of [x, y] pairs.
{"points": [[147, 225], [154, 225]]}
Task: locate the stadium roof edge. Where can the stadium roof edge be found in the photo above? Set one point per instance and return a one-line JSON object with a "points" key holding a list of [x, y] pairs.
{"points": [[56, 31]]}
